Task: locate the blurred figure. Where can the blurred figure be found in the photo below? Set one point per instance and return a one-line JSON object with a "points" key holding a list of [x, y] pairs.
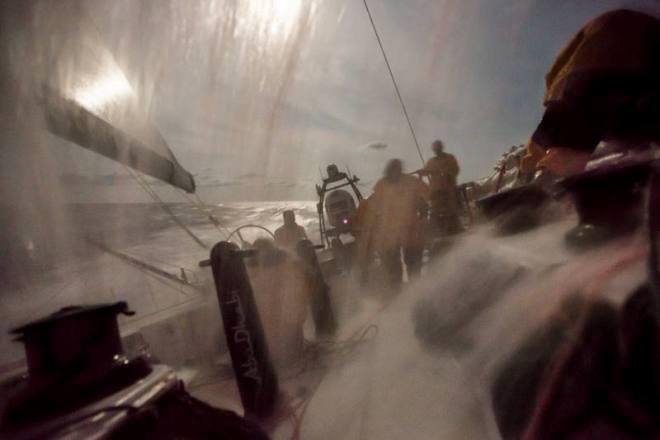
{"points": [[396, 223], [602, 87], [363, 219], [318, 291], [290, 233], [442, 170], [529, 163], [281, 291]]}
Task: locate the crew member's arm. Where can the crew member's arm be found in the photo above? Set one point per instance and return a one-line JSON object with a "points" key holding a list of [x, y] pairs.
{"points": [[279, 236], [427, 170], [423, 199], [423, 191]]}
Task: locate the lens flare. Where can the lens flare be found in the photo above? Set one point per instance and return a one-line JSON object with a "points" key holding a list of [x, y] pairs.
{"points": [[278, 16], [104, 90]]}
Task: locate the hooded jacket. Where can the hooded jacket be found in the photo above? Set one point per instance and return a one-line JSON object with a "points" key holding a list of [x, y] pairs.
{"points": [[604, 84]]}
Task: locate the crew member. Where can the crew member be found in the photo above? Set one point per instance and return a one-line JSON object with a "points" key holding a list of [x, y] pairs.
{"points": [[362, 228], [398, 203], [442, 170], [290, 233], [282, 292], [603, 86]]}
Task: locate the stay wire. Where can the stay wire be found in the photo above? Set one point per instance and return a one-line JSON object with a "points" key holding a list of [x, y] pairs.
{"points": [[164, 207], [212, 218], [164, 263], [396, 87]]}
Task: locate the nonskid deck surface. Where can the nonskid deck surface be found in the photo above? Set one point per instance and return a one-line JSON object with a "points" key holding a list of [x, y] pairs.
{"points": [[301, 378]]}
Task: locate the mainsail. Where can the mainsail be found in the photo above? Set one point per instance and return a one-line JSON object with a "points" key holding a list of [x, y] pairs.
{"points": [[84, 95]]}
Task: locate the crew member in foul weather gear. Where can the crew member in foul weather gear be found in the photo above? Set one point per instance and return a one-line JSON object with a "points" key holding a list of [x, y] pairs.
{"points": [[602, 86], [442, 170], [282, 292], [361, 228], [290, 233], [397, 222]]}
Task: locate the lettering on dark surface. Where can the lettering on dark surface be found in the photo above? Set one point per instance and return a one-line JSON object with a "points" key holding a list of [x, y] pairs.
{"points": [[241, 335]]}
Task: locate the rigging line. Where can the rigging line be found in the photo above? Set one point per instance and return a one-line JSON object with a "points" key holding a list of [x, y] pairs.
{"points": [[396, 87], [139, 264], [159, 261], [145, 186], [190, 199], [212, 218], [167, 209]]}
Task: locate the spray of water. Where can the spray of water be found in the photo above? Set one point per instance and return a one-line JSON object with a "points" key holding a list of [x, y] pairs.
{"points": [[251, 97]]}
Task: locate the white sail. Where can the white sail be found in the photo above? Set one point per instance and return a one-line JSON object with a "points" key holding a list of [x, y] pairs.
{"points": [[86, 99]]}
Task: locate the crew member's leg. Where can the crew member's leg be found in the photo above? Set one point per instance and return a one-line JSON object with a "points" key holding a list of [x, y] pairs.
{"points": [[412, 256], [391, 259], [445, 212], [439, 211], [453, 220], [363, 259]]}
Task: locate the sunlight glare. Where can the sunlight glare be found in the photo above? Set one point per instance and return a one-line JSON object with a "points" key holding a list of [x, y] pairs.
{"points": [[102, 91], [278, 16]]}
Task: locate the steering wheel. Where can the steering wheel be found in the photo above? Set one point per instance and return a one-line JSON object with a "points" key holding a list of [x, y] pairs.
{"points": [[244, 243]]}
